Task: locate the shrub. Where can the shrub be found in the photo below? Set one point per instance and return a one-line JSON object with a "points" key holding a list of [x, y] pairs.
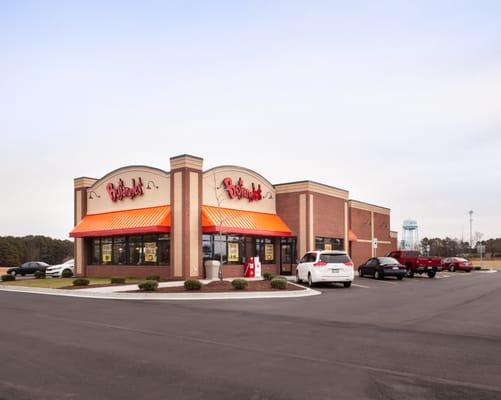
{"points": [[81, 282], [8, 277], [278, 283], [239, 284], [268, 276], [39, 275], [152, 278], [67, 273], [192, 284], [117, 279], [148, 286]]}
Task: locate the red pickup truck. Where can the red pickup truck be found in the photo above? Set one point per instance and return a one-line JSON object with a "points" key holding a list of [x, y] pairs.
{"points": [[416, 263]]}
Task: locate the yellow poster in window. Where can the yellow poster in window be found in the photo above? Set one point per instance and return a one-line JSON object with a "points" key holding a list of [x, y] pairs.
{"points": [[106, 253], [150, 252], [268, 252], [233, 252], [328, 246]]}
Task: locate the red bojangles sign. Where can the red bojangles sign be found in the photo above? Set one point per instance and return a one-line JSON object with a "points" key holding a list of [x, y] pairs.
{"points": [[121, 191], [238, 191]]}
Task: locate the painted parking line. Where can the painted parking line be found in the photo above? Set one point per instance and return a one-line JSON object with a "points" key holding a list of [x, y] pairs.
{"points": [[361, 286], [384, 281]]}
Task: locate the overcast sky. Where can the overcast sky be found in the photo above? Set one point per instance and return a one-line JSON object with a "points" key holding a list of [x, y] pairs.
{"points": [[398, 102]]}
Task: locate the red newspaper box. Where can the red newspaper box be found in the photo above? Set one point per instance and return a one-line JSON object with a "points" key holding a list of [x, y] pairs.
{"points": [[250, 268]]}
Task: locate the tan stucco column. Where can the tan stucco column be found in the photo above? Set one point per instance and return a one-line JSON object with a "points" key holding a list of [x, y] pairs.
{"points": [[80, 209], [186, 222]]}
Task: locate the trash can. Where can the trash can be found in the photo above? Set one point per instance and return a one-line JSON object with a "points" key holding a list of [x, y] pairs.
{"points": [[212, 269]]}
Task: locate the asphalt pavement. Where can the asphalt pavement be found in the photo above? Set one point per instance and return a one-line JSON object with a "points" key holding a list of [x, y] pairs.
{"points": [[412, 339]]}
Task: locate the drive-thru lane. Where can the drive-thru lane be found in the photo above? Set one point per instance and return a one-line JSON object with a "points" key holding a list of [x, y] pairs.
{"points": [[416, 339]]}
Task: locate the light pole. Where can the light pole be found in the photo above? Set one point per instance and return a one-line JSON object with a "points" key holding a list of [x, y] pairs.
{"points": [[471, 229]]}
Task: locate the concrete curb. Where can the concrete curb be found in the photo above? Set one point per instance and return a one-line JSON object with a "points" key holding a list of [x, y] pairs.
{"points": [[87, 294]]}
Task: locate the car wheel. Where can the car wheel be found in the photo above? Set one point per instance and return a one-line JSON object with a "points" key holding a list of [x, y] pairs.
{"points": [[410, 273], [452, 268], [13, 273], [297, 277], [310, 280], [378, 275], [400, 277], [467, 270], [431, 274], [360, 273], [347, 284]]}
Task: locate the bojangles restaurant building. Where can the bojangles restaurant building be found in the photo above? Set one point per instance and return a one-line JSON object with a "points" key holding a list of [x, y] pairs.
{"points": [[138, 221]]}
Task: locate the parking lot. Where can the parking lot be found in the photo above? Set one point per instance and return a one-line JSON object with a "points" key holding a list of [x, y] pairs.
{"points": [[413, 339]]}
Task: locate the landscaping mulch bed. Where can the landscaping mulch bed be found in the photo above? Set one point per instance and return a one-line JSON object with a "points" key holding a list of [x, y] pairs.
{"points": [[225, 286]]}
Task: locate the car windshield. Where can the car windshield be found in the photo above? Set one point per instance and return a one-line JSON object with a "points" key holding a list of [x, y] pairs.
{"points": [[333, 258], [387, 261], [69, 261]]}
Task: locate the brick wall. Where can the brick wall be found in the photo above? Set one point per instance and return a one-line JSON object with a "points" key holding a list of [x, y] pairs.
{"points": [[360, 223], [288, 209], [328, 219], [360, 252], [382, 226], [128, 270], [237, 271]]}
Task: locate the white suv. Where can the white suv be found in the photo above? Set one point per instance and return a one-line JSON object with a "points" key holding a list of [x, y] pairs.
{"points": [[56, 271], [325, 266]]}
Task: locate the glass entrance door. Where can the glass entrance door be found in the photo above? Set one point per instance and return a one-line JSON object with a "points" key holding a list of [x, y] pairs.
{"points": [[287, 256]]}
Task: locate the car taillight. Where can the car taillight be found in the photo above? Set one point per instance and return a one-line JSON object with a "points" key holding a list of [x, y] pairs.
{"points": [[320, 264], [349, 264]]}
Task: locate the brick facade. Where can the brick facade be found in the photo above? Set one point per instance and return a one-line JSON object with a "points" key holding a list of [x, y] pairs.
{"points": [[309, 209]]}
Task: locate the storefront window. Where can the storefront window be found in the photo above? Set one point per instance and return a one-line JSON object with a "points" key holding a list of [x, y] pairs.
{"points": [[106, 250], [130, 250], [207, 247], [119, 250], [265, 249], [163, 249], [95, 251], [324, 243], [150, 249], [228, 248], [135, 250], [219, 247]]}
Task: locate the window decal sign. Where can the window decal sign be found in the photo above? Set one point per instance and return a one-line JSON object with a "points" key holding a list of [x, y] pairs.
{"points": [[121, 191], [150, 252], [268, 252], [233, 254], [239, 191]]}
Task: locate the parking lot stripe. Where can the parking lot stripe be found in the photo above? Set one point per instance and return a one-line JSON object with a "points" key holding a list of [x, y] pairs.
{"points": [[362, 286]]}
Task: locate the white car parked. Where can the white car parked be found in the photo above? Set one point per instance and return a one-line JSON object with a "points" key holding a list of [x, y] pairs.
{"points": [[56, 271], [325, 266]]}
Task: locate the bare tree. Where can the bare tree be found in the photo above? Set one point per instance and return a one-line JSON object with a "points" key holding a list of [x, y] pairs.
{"points": [[220, 219]]}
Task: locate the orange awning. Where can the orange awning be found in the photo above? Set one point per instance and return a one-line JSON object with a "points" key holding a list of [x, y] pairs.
{"points": [[128, 222], [351, 236], [242, 222]]}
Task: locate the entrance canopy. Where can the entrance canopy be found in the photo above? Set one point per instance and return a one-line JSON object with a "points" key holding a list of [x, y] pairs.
{"points": [[226, 220], [126, 222]]}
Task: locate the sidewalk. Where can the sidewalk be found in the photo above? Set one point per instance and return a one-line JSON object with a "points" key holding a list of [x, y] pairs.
{"points": [[119, 293]]}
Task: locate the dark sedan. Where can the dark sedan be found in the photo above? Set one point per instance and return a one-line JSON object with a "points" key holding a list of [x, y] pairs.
{"points": [[28, 268], [380, 267], [454, 264]]}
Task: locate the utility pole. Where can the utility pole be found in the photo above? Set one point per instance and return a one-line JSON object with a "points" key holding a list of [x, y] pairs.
{"points": [[471, 229]]}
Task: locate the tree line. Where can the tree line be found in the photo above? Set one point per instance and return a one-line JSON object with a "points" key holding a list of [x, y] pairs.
{"points": [[450, 247], [17, 250]]}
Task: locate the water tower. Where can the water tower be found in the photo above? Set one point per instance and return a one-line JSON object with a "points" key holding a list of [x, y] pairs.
{"points": [[410, 237]]}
